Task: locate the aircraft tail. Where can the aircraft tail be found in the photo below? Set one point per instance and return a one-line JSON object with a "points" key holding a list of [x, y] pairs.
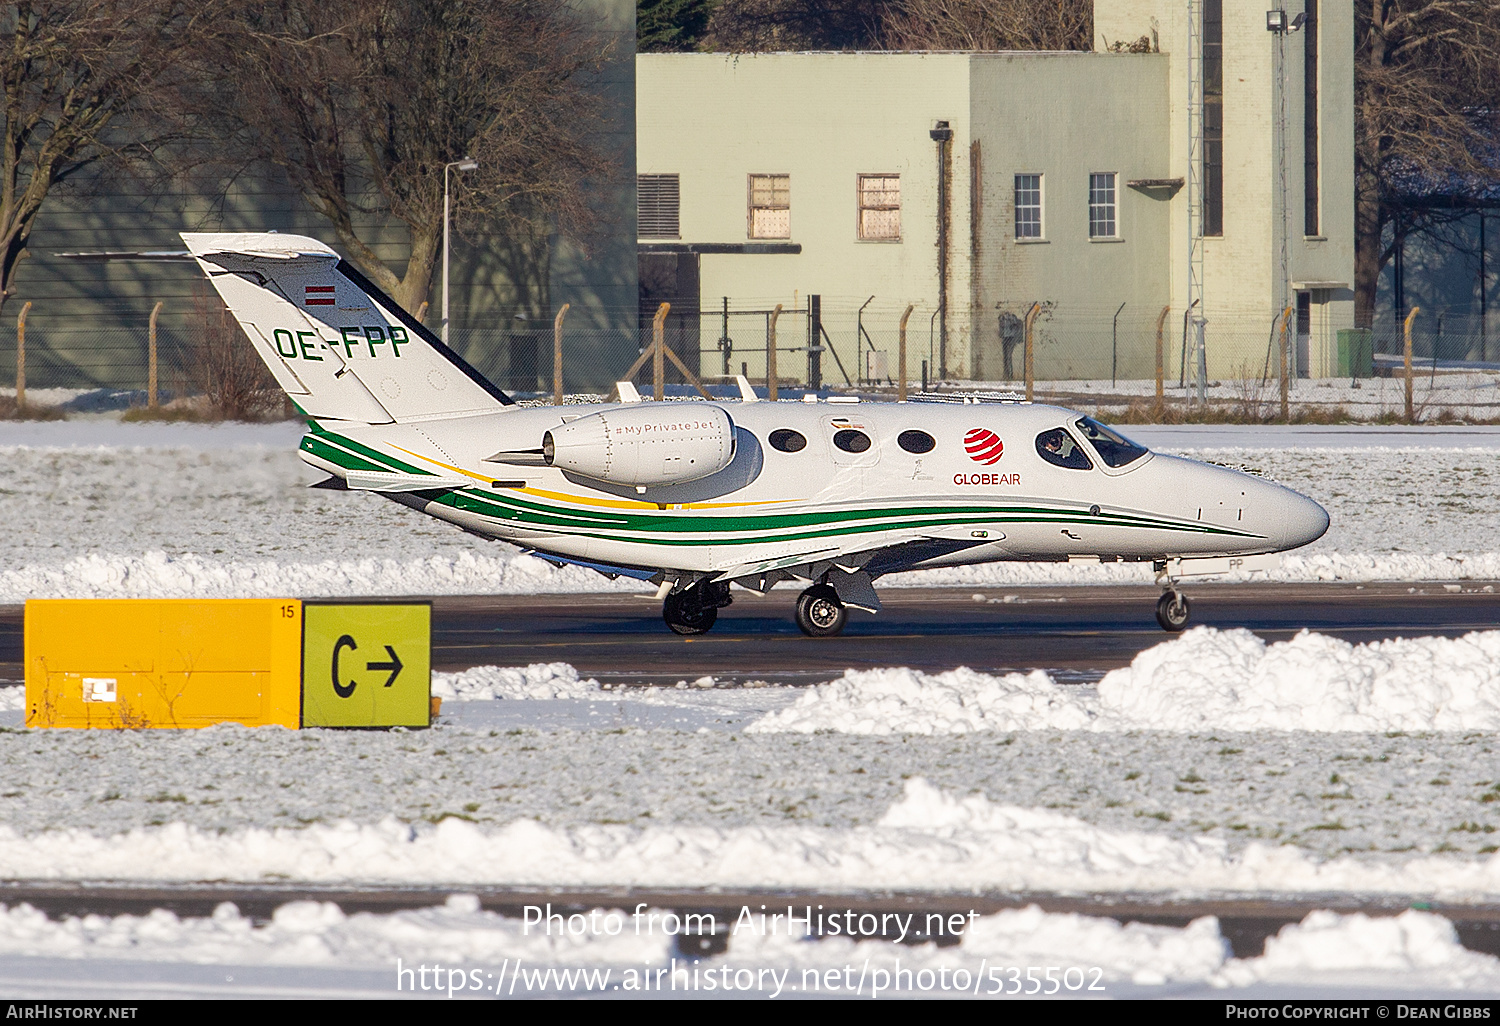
{"points": [[338, 346]]}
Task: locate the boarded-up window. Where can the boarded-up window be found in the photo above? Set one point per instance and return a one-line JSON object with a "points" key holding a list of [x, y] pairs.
{"points": [[657, 207], [880, 207], [770, 206]]}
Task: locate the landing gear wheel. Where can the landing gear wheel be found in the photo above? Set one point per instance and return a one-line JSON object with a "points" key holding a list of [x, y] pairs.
{"points": [[694, 610], [1172, 611], [820, 614]]}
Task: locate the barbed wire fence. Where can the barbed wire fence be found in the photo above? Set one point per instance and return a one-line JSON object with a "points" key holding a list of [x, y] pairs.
{"points": [[203, 358]]}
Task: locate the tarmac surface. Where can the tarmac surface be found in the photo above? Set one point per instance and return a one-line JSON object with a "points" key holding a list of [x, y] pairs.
{"points": [[1085, 630], [1080, 631]]}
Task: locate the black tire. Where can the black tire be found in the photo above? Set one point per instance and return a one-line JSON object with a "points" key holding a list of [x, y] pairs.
{"points": [[685, 613], [1173, 611], [820, 614]]}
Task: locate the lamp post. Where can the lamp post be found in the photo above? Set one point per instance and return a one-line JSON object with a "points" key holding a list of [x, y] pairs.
{"points": [[466, 164]]}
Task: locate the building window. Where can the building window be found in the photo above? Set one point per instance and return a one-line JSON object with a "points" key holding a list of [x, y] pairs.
{"points": [[657, 207], [880, 207], [1102, 221], [1311, 219], [770, 206], [1213, 117], [1028, 206]]}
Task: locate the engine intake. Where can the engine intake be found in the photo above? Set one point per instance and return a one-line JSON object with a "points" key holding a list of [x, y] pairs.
{"points": [[652, 445]]}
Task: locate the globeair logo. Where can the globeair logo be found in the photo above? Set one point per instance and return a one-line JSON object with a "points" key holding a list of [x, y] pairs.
{"points": [[984, 446]]}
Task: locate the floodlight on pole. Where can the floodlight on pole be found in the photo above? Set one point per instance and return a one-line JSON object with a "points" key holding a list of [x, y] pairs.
{"points": [[463, 164]]}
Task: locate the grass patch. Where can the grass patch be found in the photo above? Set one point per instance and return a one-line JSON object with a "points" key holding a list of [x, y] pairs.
{"points": [[11, 410]]}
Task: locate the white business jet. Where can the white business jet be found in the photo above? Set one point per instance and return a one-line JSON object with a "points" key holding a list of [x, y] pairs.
{"points": [[697, 496]]}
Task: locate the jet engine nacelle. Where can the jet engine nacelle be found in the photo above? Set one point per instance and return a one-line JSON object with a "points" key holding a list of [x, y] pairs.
{"points": [[648, 445]]}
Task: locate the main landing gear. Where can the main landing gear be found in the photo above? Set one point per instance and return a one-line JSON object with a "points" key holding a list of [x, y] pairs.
{"points": [[694, 610], [1172, 610], [820, 614]]}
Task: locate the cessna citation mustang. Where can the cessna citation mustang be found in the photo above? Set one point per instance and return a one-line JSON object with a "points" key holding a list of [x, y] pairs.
{"points": [[696, 496]]}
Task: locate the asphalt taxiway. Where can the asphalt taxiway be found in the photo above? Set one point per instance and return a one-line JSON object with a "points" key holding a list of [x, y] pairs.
{"points": [[1080, 631]]}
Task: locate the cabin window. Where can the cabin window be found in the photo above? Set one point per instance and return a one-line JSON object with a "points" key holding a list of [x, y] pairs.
{"points": [[788, 440], [916, 441], [850, 440], [1060, 449], [1113, 448]]}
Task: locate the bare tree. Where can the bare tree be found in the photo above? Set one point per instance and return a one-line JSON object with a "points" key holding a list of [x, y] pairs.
{"points": [[989, 25], [748, 26], [1427, 109], [361, 103], [87, 86]]}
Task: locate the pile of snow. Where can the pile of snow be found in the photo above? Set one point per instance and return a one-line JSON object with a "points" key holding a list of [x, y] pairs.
{"points": [[1206, 679], [539, 680], [1412, 950], [1414, 947], [159, 575], [318, 933], [903, 701], [1232, 680], [927, 840]]}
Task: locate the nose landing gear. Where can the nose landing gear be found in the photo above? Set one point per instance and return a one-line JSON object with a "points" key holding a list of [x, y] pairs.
{"points": [[1172, 610], [820, 613], [693, 610]]}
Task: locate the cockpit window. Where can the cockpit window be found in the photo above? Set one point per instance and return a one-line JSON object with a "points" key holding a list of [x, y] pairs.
{"points": [[1060, 449], [1113, 448]]}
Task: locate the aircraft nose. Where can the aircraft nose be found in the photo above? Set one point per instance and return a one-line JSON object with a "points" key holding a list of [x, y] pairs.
{"points": [[1299, 520]]}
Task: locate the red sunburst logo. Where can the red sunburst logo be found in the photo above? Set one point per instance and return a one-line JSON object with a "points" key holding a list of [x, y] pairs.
{"points": [[984, 446]]}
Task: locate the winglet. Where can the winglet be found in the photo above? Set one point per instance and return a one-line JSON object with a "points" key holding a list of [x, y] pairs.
{"points": [[747, 394], [627, 391]]}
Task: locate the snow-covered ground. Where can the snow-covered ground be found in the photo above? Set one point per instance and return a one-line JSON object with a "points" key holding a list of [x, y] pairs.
{"points": [[1472, 396], [101, 508], [1176, 775]]}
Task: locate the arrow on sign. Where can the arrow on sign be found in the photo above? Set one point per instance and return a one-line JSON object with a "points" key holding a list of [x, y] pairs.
{"points": [[394, 666]]}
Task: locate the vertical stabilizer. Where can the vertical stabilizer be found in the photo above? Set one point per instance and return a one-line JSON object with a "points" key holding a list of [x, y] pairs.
{"points": [[338, 346]]}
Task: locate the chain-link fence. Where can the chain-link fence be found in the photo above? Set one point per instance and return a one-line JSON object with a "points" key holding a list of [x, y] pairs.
{"points": [[840, 346]]}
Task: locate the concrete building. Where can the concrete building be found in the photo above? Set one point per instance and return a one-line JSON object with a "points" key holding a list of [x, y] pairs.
{"points": [[978, 186]]}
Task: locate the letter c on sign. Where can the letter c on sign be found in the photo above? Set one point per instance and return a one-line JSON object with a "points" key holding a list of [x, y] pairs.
{"points": [[343, 691]]}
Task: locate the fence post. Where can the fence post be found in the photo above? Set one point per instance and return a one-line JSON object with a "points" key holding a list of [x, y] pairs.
{"points": [[1286, 385], [1406, 361], [901, 388], [21, 356], [771, 354], [1161, 322], [557, 389], [1036, 308], [151, 402], [658, 360]]}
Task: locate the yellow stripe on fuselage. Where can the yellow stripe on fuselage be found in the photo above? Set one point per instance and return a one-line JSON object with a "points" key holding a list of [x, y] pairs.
{"points": [[585, 500]]}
